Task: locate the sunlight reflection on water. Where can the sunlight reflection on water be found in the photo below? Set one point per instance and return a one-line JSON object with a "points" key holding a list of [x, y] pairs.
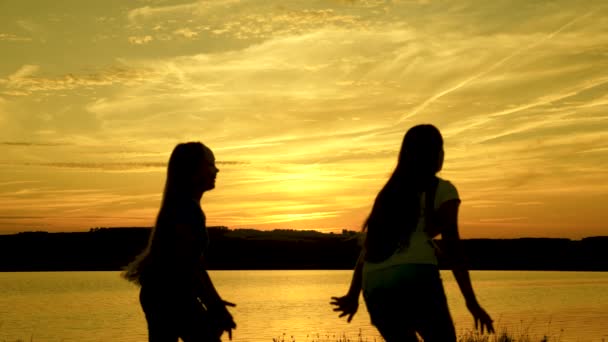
{"points": [[99, 306]]}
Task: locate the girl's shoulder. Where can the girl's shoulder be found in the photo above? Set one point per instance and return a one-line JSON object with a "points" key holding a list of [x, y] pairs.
{"points": [[444, 183], [446, 191]]}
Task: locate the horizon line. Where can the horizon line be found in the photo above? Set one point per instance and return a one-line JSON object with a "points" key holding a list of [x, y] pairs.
{"points": [[342, 232]]}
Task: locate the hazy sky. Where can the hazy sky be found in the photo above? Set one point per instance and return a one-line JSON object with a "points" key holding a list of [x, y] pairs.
{"points": [[305, 104]]}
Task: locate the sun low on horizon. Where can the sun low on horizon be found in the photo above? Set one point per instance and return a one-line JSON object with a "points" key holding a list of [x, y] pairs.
{"points": [[304, 104]]}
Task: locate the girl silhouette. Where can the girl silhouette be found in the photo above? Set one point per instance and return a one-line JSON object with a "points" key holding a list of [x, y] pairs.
{"points": [[398, 267], [177, 295]]}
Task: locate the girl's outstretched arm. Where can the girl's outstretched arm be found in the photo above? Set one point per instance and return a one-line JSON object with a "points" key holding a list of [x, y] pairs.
{"points": [[349, 304], [217, 306], [192, 263], [448, 220]]}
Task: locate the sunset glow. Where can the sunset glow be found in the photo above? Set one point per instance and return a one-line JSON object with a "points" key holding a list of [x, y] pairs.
{"points": [[304, 104]]}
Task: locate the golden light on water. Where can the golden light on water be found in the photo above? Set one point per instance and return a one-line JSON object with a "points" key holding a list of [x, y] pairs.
{"points": [[305, 105]]}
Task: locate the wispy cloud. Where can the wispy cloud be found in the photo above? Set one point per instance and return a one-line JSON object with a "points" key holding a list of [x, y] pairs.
{"points": [[28, 25], [115, 166], [493, 66], [30, 144], [24, 71], [186, 33], [20, 182], [9, 37], [24, 81], [503, 219], [193, 8], [148, 11], [140, 40], [77, 209], [288, 23]]}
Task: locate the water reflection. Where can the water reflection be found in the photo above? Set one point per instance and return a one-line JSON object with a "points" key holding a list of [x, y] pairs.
{"points": [[99, 306]]}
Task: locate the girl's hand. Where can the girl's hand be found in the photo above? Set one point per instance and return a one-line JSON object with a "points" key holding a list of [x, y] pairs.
{"points": [[483, 321], [347, 305], [222, 318]]}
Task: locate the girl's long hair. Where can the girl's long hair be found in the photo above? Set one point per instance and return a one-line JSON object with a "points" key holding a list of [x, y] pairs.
{"points": [[185, 160], [395, 212]]}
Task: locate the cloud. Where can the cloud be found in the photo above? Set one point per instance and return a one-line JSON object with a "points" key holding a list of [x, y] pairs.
{"points": [[186, 33], [288, 23], [140, 40], [115, 166], [9, 37], [28, 25], [23, 72], [3, 114], [243, 21], [313, 98], [277, 68], [72, 197], [304, 81], [595, 150], [78, 209], [503, 219], [364, 3], [494, 66], [24, 81], [146, 12], [19, 182], [31, 144], [16, 217], [194, 8]]}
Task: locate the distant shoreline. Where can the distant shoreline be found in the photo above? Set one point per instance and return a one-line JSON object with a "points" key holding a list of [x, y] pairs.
{"points": [[110, 249], [343, 231]]}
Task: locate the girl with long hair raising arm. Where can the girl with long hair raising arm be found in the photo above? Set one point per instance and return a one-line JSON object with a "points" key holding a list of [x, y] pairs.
{"points": [[398, 267], [177, 295]]}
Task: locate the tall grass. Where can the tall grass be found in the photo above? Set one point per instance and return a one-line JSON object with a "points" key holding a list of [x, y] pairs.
{"points": [[470, 336]]}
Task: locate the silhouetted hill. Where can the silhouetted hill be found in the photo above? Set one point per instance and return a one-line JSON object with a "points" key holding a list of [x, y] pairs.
{"points": [[113, 248]]}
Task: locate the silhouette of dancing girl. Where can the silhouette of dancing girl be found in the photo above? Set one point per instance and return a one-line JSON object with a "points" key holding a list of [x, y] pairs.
{"points": [[398, 267], [177, 295]]}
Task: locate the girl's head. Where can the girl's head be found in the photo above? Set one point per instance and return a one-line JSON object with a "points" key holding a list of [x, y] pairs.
{"points": [[191, 171], [397, 206], [421, 154]]}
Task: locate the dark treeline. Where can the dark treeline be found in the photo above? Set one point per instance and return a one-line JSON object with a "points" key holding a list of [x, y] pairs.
{"points": [[113, 248]]}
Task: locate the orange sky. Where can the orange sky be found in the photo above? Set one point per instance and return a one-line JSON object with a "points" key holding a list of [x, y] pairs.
{"points": [[305, 105]]}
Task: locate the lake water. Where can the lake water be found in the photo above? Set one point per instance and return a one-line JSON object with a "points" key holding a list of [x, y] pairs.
{"points": [[294, 305]]}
